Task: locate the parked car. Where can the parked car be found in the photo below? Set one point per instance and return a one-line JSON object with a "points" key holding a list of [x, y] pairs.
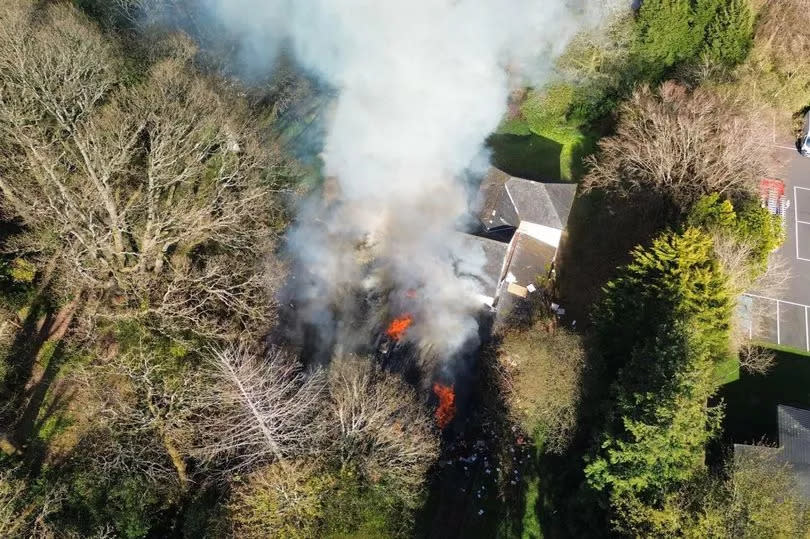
{"points": [[804, 138]]}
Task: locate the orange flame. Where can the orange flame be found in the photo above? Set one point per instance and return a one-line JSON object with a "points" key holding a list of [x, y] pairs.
{"points": [[399, 326], [447, 404]]}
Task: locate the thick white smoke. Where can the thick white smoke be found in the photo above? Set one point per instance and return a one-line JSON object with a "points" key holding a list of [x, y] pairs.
{"points": [[421, 84]]}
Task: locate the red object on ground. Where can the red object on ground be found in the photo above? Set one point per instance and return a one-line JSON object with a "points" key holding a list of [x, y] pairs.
{"points": [[771, 185], [772, 196]]}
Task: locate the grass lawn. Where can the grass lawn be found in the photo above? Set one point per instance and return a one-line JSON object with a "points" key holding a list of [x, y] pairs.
{"points": [[553, 153], [751, 401], [727, 371]]}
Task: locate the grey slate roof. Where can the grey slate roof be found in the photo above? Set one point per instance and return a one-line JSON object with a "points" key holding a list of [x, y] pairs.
{"points": [[794, 433], [489, 274], [794, 445], [531, 259], [506, 201]]}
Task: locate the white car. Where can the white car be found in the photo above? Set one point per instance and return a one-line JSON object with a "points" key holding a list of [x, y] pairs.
{"points": [[804, 138]]}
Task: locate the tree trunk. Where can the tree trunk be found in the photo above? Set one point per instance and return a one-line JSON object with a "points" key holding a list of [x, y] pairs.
{"points": [[178, 462]]}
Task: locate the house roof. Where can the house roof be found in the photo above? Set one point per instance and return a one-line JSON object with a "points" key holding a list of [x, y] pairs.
{"points": [[531, 259], [794, 433], [506, 201], [494, 255], [794, 445]]}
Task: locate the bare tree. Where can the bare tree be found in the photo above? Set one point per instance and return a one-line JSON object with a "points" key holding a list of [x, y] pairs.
{"points": [[383, 429], [258, 409], [756, 359], [126, 185], [682, 145], [735, 258]]}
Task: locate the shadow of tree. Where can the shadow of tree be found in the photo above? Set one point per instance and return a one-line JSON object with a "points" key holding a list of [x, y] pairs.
{"points": [[527, 156], [602, 230]]}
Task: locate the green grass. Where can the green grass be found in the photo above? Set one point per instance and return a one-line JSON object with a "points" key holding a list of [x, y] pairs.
{"points": [[751, 401], [727, 371], [782, 348], [548, 153]]}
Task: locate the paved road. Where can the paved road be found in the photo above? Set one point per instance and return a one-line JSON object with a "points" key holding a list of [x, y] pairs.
{"points": [[785, 319]]}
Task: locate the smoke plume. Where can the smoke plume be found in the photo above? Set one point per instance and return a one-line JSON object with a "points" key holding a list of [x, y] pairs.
{"points": [[420, 85]]}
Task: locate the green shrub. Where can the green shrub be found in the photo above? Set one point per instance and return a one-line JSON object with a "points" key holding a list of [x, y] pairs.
{"points": [[280, 501], [749, 223], [22, 271], [666, 35], [664, 322], [729, 36]]}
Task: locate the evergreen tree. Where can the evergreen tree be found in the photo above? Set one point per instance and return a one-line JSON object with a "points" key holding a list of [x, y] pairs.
{"points": [[665, 35], [676, 278], [729, 34], [666, 318]]}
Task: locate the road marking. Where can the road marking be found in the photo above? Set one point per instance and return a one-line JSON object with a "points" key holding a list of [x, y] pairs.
{"points": [[779, 321], [778, 331], [796, 218], [775, 299]]}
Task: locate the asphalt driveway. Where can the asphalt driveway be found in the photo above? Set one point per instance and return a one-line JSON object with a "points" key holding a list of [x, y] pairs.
{"points": [[785, 320]]}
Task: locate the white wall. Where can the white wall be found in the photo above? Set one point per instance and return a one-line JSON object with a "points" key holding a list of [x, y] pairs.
{"points": [[546, 234]]}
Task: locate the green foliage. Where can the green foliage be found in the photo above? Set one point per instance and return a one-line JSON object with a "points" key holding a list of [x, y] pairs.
{"points": [[22, 271], [665, 322], [759, 227], [666, 34], [671, 32], [729, 36], [711, 212], [676, 278], [280, 501], [755, 496], [545, 140], [749, 223], [357, 509], [547, 108], [131, 504]]}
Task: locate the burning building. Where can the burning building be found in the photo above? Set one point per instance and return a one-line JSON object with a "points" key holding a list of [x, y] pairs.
{"points": [[522, 225]]}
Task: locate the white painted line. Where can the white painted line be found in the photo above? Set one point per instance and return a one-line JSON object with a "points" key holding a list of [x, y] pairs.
{"points": [[803, 222], [806, 331], [784, 147], [803, 259], [775, 299], [778, 332], [805, 188], [796, 219]]}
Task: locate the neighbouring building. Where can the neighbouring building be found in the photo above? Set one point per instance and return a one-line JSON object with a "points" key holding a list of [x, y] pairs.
{"points": [[794, 445]]}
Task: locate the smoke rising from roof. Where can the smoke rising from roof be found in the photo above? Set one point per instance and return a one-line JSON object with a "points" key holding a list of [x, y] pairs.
{"points": [[421, 84]]}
